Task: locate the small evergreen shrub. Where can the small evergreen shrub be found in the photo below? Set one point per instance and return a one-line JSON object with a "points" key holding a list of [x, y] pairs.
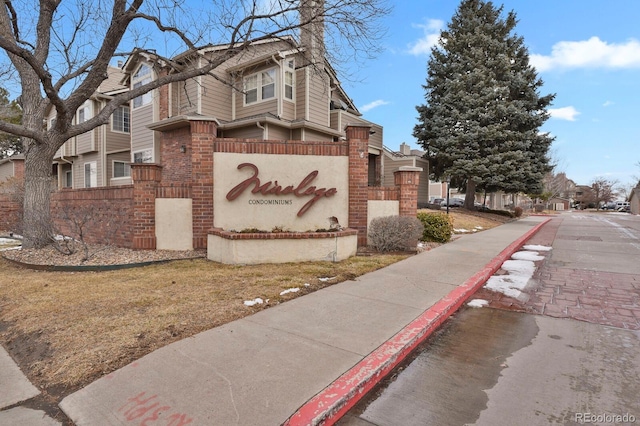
{"points": [[501, 213], [394, 233], [438, 227], [517, 211]]}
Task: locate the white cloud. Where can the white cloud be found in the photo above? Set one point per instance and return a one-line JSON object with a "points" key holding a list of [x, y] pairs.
{"points": [[566, 113], [592, 53], [607, 103], [430, 37], [372, 105]]}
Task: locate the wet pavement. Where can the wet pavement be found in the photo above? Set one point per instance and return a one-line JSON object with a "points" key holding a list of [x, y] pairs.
{"points": [[568, 352], [592, 274]]}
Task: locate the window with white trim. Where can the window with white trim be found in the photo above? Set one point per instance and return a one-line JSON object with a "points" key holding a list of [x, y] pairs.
{"points": [[145, 156], [140, 78], [84, 112], [121, 169], [260, 86], [289, 80], [121, 120], [90, 174]]}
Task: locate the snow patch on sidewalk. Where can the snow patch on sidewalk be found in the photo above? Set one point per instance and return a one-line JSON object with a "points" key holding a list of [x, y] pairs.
{"points": [[477, 303]]}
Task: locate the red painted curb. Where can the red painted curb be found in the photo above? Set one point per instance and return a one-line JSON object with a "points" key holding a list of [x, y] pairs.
{"points": [[328, 406]]}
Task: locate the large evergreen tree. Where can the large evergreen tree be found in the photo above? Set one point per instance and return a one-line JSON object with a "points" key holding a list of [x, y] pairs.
{"points": [[480, 123]]}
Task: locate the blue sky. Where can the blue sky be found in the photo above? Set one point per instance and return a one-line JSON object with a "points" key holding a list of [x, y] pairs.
{"points": [[585, 51]]}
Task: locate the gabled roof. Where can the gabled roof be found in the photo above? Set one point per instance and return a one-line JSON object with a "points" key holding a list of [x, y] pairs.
{"points": [[19, 157]]}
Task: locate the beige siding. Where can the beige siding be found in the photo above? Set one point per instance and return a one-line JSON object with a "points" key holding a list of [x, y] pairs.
{"points": [[174, 101], [335, 118], [115, 76], [375, 140], [117, 141], [6, 171], [312, 136], [188, 96], [318, 100], [257, 108], [391, 166], [141, 136], [278, 133], [217, 97], [67, 150], [78, 170], [63, 168], [301, 90], [87, 142], [288, 110], [244, 133]]}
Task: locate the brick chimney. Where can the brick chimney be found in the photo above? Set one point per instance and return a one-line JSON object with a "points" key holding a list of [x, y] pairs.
{"points": [[312, 31]]}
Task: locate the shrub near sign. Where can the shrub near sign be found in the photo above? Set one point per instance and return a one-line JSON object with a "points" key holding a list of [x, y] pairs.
{"points": [[273, 188]]}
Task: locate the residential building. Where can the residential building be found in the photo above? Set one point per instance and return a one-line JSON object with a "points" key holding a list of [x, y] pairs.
{"points": [[102, 156], [407, 157]]}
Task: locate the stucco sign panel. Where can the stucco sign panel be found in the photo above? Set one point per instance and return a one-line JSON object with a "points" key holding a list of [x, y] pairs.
{"points": [[287, 192]]}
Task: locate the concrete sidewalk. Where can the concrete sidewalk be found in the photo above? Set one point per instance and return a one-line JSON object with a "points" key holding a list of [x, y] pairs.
{"points": [[306, 360]]}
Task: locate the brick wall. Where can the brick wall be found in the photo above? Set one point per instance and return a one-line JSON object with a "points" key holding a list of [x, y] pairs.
{"points": [[203, 135], [145, 182], [106, 213], [383, 193], [10, 214], [291, 147], [358, 140], [407, 181], [176, 165]]}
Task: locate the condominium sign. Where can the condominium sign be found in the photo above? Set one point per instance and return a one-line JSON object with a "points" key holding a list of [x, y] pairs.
{"points": [[304, 189], [291, 192]]}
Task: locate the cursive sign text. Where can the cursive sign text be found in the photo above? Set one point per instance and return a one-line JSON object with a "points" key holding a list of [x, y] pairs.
{"points": [[303, 189]]}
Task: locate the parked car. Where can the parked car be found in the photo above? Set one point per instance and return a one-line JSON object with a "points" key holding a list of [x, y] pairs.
{"points": [[481, 207], [453, 202]]}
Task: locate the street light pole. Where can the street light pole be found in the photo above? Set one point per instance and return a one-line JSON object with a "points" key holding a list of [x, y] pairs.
{"points": [[448, 185]]}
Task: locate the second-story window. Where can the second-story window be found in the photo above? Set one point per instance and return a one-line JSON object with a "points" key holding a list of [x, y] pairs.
{"points": [[140, 78], [120, 120], [259, 87], [288, 80], [84, 112]]}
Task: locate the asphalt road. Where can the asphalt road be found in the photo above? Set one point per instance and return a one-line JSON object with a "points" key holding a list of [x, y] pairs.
{"points": [[568, 354]]}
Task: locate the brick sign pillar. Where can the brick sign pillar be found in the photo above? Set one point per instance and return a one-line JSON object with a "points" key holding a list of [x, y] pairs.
{"points": [[407, 179], [358, 140], [203, 136], [146, 178]]}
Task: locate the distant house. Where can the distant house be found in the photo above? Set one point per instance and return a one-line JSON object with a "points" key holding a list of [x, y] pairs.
{"points": [[11, 167], [406, 157], [585, 197]]}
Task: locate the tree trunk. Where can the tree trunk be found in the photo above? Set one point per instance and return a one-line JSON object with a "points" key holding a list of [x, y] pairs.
{"points": [[470, 196], [37, 225]]}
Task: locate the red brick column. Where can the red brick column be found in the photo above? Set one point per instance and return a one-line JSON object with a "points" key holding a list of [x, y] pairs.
{"points": [[145, 180], [407, 179], [358, 140], [203, 135]]}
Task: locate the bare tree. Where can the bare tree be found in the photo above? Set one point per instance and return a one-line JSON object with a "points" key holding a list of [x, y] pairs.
{"points": [[57, 52], [604, 190]]}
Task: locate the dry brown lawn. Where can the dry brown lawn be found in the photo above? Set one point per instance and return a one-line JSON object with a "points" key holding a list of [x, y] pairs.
{"points": [[65, 329]]}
